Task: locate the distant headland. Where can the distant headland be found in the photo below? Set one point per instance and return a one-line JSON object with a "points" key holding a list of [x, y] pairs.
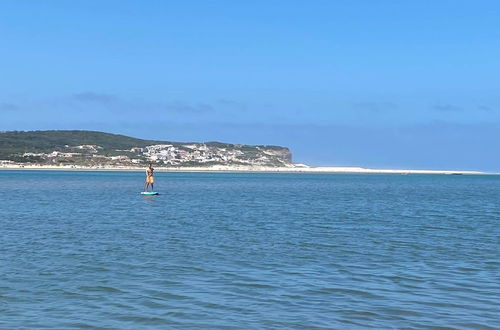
{"points": [[93, 150], [99, 149]]}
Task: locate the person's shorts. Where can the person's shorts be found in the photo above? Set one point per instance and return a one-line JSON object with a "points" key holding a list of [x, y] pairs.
{"points": [[150, 179]]}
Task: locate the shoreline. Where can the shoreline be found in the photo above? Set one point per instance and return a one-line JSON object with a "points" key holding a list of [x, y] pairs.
{"points": [[243, 169]]}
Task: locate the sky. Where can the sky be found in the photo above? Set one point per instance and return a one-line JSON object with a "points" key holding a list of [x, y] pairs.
{"points": [[371, 83]]}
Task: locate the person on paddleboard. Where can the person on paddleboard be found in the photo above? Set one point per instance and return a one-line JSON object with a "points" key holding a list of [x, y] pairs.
{"points": [[149, 178]]}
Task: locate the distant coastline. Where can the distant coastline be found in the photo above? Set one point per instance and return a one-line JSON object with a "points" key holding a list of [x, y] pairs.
{"points": [[249, 169], [90, 149], [77, 150]]}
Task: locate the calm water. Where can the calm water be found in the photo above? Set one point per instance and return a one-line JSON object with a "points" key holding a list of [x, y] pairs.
{"points": [[84, 249]]}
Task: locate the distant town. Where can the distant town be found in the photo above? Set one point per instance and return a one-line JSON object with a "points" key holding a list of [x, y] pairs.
{"points": [[59, 148], [161, 154]]}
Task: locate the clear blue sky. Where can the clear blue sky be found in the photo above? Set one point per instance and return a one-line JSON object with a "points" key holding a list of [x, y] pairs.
{"points": [[389, 84]]}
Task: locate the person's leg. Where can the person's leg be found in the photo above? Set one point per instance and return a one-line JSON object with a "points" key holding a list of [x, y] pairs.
{"points": [[152, 187], [146, 186]]}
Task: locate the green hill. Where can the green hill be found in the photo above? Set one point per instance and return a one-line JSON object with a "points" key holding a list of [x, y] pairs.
{"points": [[32, 141], [35, 147], [18, 142]]}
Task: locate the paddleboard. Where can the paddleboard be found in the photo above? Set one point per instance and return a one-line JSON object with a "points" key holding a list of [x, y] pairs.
{"points": [[149, 193]]}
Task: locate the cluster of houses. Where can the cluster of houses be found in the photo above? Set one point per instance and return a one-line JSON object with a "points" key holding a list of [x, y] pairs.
{"points": [[201, 153], [85, 149]]}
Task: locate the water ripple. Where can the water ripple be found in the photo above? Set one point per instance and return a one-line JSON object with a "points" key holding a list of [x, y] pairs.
{"points": [[249, 251]]}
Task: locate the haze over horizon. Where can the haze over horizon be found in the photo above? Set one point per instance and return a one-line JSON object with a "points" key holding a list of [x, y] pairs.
{"points": [[380, 84]]}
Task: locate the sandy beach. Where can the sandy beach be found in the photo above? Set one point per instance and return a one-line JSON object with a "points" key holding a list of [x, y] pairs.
{"points": [[221, 168]]}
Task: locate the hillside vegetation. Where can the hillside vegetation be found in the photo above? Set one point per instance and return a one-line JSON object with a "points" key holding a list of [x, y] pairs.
{"points": [[98, 148], [44, 141]]}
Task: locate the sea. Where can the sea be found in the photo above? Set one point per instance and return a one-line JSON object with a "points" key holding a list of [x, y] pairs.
{"points": [[249, 251]]}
